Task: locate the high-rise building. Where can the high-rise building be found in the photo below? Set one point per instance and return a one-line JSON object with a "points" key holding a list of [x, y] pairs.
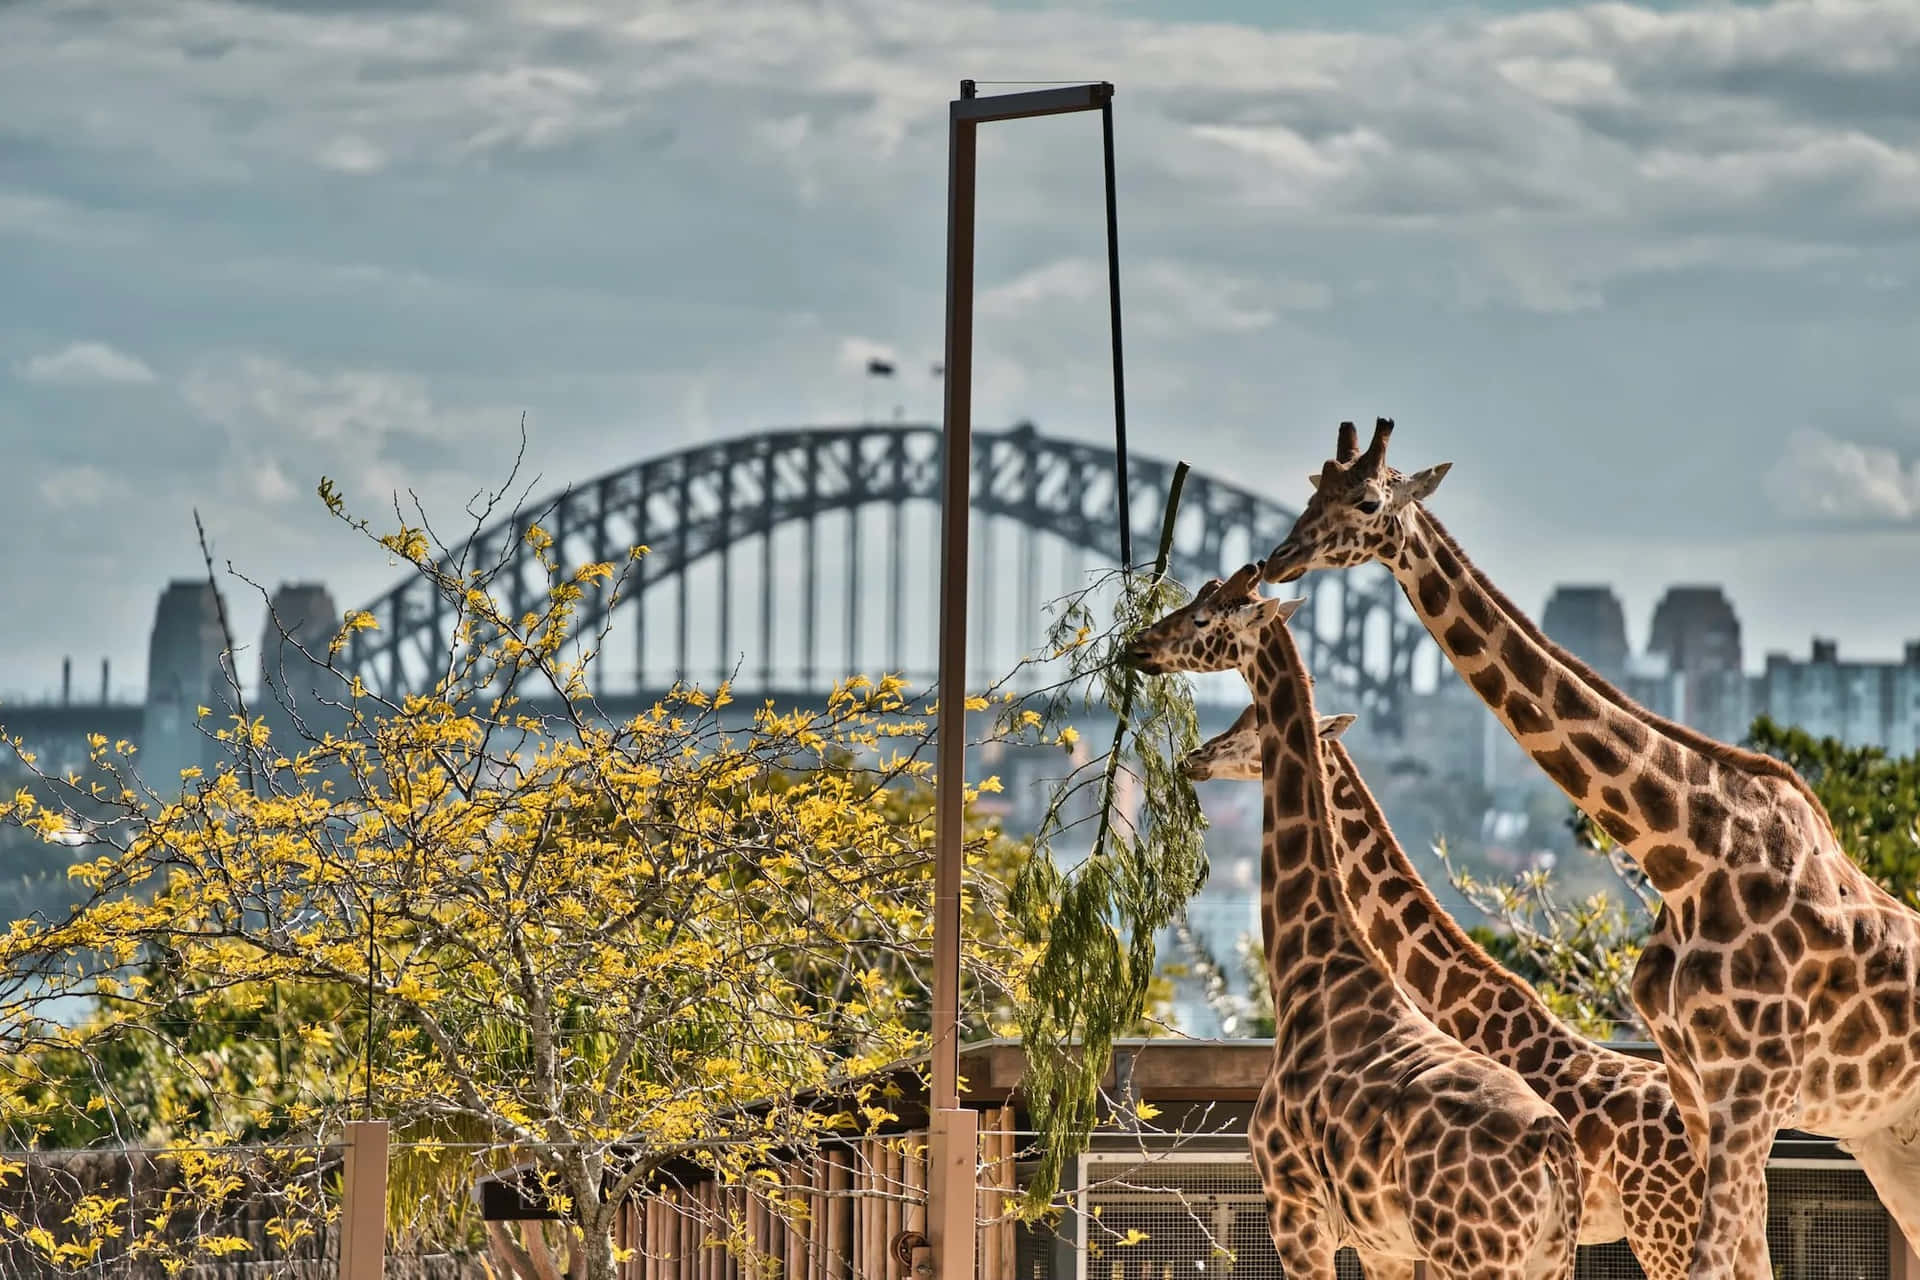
{"points": [[1696, 630], [1588, 621], [1860, 703], [184, 673]]}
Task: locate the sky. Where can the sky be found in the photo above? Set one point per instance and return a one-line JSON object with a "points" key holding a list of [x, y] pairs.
{"points": [[1648, 276]]}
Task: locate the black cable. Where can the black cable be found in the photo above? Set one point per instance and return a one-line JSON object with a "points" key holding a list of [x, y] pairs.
{"points": [[1113, 311]]}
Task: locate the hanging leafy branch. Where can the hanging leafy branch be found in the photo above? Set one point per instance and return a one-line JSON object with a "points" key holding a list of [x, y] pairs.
{"points": [[1093, 919]]}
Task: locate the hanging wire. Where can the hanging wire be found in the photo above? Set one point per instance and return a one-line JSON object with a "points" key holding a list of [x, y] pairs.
{"points": [[1113, 312]]}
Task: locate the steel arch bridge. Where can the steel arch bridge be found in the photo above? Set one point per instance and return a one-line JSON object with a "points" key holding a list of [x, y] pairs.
{"points": [[770, 502]]}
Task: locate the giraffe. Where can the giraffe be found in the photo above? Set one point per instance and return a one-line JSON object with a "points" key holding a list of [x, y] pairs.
{"points": [[1641, 1179], [1373, 1128], [1779, 981]]}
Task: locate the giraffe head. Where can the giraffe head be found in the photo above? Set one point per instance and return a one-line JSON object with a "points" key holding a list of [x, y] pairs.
{"points": [[1235, 754], [1212, 631], [1358, 509]]}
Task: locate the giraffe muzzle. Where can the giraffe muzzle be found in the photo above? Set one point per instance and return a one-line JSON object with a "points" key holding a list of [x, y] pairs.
{"points": [[1140, 658], [1287, 564]]}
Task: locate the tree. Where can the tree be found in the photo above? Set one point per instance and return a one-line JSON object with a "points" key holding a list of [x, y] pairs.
{"points": [[492, 915], [602, 946], [1872, 798]]}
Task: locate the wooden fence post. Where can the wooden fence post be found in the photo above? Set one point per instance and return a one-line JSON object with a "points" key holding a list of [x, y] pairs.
{"points": [[363, 1202]]}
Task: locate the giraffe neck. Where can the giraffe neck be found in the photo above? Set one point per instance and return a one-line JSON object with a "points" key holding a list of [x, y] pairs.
{"points": [[1306, 922], [1468, 994], [1737, 758], [1631, 780]]}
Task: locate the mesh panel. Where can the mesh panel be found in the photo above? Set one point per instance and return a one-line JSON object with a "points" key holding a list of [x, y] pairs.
{"points": [[1200, 1219], [1826, 1224], [1823, 1224]]}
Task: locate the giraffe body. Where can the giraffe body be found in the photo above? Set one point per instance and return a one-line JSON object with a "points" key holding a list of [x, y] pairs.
{"points": [[1641, 1179], [1373, 1128], [1779, 980]]}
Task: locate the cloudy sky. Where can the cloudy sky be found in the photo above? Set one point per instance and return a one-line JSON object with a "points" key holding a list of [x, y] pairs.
{"points": [[1649, 276]]}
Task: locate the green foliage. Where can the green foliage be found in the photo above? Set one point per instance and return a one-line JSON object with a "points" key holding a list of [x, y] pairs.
{"points": [[1094, 923], [1873, 799], [1579, 954]]}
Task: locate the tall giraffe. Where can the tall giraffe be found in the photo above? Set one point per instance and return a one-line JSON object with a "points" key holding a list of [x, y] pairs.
{"points": [[1780, 982], [1641, 1179], [1373, 1128]]}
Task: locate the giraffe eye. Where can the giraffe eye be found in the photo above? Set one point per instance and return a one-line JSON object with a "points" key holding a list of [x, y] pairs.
{"points": [[1368, 505], [1202, 618]]}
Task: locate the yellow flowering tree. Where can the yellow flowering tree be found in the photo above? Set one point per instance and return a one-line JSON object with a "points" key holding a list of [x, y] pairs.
{"points": [[593, 947]]}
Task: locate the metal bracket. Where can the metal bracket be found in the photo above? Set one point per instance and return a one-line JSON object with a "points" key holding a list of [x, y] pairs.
{"points": [[914, 1252]]}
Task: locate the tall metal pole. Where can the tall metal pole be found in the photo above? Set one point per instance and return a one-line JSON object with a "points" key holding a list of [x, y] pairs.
{"points": [[953, 1130], [953, 1133]]}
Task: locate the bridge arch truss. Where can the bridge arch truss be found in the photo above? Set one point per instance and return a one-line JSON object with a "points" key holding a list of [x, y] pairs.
{"points": [[767, 550]]}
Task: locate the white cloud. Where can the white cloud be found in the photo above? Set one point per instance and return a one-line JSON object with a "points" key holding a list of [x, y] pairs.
{"points": [[1828, 478], [376, 432], [86, 364], [79, 488], [262, 395], [1164, 296], [351, 153]]}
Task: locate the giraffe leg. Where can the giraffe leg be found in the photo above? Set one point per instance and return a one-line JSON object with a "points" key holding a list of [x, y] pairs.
{"points": [[1732, 1241], [1378, 1266], [1893, 1167], [1660, 1190], [1305, 1249]]}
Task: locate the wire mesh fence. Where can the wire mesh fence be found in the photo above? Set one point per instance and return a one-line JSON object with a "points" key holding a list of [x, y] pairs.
{"points": [[1202, 1216]]}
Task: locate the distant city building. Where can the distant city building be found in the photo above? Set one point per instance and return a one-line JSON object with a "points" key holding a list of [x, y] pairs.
{"points": [[1860, 703], [1696, 630], [1588, 621], [1652, 682], [184, 673]]}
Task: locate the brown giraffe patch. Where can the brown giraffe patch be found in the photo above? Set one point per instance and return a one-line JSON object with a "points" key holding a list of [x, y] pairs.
{"points": [[1763, 895], [1623, 832], [1706, 820], [1479, 609], [1668, 866], [1524, 662], [1465, 641], [1560, 765], [1604, 755], [1655, 800], [1720, 918], [1489, 683]]}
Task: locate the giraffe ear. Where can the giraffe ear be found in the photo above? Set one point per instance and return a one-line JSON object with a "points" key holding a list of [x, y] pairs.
{"points": [[1284, 609], [1417, 487], [1313, 479], [1332, 727]]}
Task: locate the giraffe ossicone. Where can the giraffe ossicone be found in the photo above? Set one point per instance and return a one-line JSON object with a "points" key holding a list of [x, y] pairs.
{"points": [[1373, 1129], [1780, 982], [1641, 1179]]}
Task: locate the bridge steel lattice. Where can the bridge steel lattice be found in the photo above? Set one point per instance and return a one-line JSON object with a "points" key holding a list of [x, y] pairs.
{"points": [[707, 511]]}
